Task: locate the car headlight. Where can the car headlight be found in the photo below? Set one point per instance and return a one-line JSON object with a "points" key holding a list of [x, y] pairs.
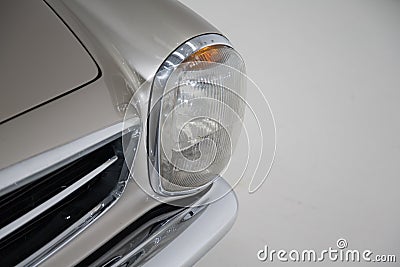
{"points": [[195, 112]]}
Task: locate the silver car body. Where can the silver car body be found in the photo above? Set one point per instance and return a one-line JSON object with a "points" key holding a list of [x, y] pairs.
{"points": [[68, 74]]}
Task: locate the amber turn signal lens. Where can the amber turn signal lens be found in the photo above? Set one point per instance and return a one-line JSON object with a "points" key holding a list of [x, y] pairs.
{"points": [[208, 54]]}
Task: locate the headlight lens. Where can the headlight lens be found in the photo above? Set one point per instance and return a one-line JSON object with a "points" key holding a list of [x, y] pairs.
{"points": [[195, 114]]}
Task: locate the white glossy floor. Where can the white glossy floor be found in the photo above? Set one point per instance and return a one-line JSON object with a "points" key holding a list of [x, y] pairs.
{"points": [[331, 71]]}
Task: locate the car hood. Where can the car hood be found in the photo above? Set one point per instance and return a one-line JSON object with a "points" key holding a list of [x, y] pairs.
{"points": [[41, 59]]}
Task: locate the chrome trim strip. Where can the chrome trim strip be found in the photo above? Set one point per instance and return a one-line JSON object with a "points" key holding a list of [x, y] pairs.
{"points": [[55, 199], [128, 243], [40, 256], [172, 228], [154, 112], [202, 234]]}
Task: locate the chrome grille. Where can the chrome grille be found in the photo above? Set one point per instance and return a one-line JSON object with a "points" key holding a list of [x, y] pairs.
{"points": [[29, 197], [37, 213]]}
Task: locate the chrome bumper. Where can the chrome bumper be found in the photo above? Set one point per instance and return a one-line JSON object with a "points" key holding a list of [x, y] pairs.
{"points": [[193, 243]]}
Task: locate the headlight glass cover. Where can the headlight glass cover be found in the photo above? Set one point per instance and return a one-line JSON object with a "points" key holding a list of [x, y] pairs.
{"points": [[195, 114]]}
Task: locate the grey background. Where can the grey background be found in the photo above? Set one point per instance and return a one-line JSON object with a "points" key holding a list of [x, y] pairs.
{"points": [[331, 71]]}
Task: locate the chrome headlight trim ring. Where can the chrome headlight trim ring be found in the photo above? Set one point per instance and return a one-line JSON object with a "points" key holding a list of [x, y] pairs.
{"points": [[157, 90]]}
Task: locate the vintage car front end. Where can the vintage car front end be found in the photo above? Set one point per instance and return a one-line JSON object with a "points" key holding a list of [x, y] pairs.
{"points": [[118, 120]]}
